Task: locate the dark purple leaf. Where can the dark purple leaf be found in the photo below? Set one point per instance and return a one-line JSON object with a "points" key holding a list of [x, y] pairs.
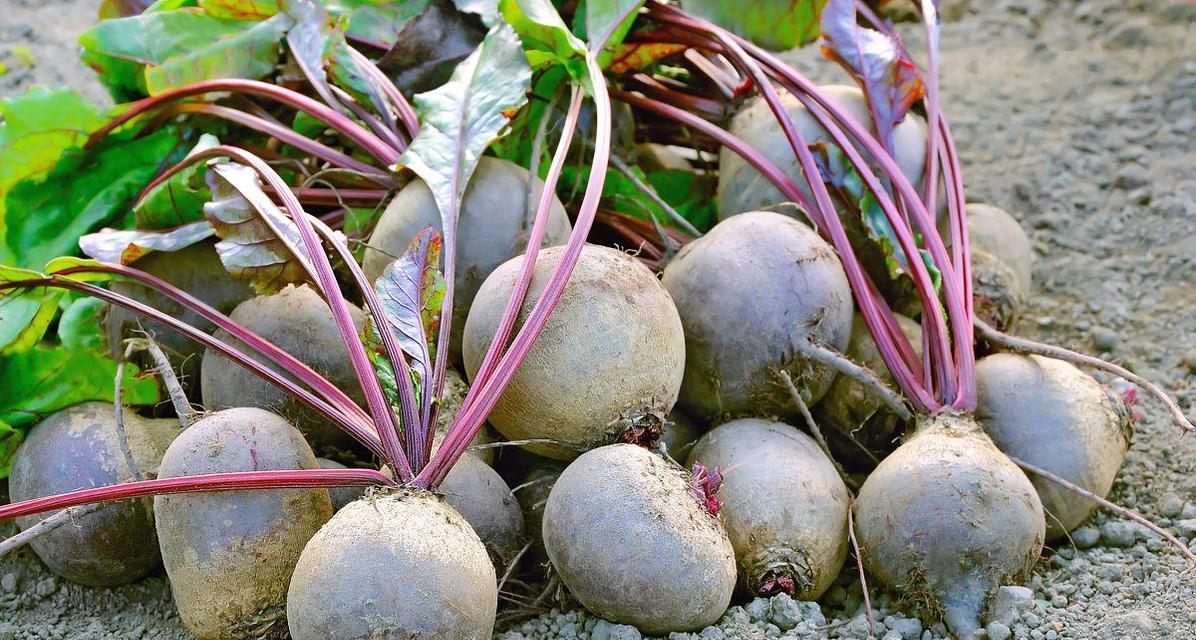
{"points": [[412, 292], [879, 62]]}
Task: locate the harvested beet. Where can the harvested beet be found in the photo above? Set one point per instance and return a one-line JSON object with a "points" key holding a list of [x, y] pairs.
{"points": [[79, 448], [992, 230], [784, 506], [436, 580], [611, 356], [860, 427], [946, 519], [493, 227], [479, 494], [742, 188], [996, 293], [631, 540], [1056, 417], [749, 292], [195, 269], [297, 320], [229, 555]]}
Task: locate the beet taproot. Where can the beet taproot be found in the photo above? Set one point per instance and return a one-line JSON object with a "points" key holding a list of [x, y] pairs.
{"points": [[748, 292], [611, 355], [79, 448], [1054, 416], [630, 539], [229, 555]]}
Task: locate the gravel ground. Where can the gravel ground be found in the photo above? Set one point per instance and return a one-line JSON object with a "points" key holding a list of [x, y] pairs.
{"points": [[1078, 117]]}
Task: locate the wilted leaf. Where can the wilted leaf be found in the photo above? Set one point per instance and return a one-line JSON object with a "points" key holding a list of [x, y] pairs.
{"points": [[411, 290], [243, 9], [37, 128], [126, 246], [180, 199], [86, 190], [636, 57], [429, 46], [156, 51], [879, 63], [259, 242], [462, 117]]}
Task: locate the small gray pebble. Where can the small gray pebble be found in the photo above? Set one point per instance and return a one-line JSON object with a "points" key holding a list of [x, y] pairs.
{"points": [[757, 610], [909, 628], [1085, 537], [1009, 603], [9, 583], [1059, 602], [1172, 505], [786, 612], [1118, 534], [45, 587], [1189, 360], [608, 631], [1104, 339], [1186, 528], [998, 631]]}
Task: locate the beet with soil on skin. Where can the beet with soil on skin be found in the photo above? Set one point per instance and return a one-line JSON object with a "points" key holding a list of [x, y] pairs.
{"points": [[481, 496], [1056, 417], [401, 564], [860, 429], [229, 555], [610, 357], [742, 188], [632, 541], [996, 294], [198, 271], [79, 448], [297, 320], [749, 292], [946, 519], [994, 231], [784, 506], [493, 227]]}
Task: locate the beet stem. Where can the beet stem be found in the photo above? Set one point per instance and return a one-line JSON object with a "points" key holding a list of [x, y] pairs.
{"points": [[1124, 512], [118, 397], [859, 565], [841, 363], [178, 398], [812, 423], [647, 190], [22, 538]]}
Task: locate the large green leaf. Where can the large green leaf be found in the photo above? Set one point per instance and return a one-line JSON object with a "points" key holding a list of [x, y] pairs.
{"points": [[86, 190], [462, 117], [26, 313], [411, 290], [153, 52], [775, 24], [546, 37], [180, 199], [379, 22], [37, 128]]}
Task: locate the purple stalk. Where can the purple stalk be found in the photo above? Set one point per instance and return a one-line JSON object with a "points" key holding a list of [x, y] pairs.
{"points": [[269, 350], [286, 136], [515, 302], [380, 129], [398, 100], [346, 423], [482, 397], [233, 481], [410, 421], [322, 112], [325, 278]]}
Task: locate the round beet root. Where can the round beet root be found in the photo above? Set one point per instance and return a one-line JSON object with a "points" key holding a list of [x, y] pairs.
{"points": [[996, 293], [993, 230], [298, 321], [862, 429], [229, 555], [493, 228], [946, 519], [400, 565], [631, 540], [79, 448], [610, 357], [198, 271], [742, 188], [784, 506], [340, 496], [479, 494], [749, 292], [1054, 416]]}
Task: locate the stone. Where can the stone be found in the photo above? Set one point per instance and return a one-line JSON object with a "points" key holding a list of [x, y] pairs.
{"points": [[1118, 534], [1131, 176], [1103, 339], [998, 631], [786, 612], [1009, 603], [1186, 528], [609, 631], [909, 628], [1085, 537], [1172, 505]]}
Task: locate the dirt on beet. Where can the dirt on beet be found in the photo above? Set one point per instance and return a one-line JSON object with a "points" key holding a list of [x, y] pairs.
{"points": [[1076, 116]]}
